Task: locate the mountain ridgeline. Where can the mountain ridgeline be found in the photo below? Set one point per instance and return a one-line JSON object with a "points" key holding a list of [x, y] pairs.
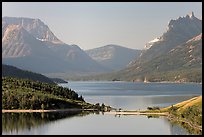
{"points": [[113, 56], [29, 44], [178, 31], [176, 56], [11, 71]]}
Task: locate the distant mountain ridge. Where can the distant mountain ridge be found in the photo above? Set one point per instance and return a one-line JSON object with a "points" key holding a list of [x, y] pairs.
{"points": [[176, 56], [11, 71], [113, 56], [29, 44], [182, 63], [178, 50]]}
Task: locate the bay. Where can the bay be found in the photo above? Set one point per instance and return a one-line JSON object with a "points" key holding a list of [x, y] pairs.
{"points": [[131, 95], [125, 95]]}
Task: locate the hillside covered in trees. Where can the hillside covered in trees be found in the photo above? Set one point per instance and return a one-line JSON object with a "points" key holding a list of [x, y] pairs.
{"points": [[27, 94]]}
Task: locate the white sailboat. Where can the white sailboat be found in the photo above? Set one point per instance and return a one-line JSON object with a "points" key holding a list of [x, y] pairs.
{"points": [[145, 80]]}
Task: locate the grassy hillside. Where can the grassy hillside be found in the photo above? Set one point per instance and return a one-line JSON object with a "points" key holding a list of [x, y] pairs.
{"points": [[190, 109], [182, 106], [188, 113], [27, 94]]}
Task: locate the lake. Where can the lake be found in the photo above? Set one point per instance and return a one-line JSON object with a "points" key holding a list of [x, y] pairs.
{"points": [[130, 95], [125, 95]]}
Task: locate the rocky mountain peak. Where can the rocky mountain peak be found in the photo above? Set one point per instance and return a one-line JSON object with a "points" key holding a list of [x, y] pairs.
{"points": [[191, 15], [34, 26], [186, 26], [29, 43], [188, 20], [178, 31]]}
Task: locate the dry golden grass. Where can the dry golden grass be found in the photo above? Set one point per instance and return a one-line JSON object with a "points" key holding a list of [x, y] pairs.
{"points": [[185, 104]]}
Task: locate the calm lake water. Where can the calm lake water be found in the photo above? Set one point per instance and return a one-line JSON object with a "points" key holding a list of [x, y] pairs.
{"points": [[130, 95], [125, 95]]}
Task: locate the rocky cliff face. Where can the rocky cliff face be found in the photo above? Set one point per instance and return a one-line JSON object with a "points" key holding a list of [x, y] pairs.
{"points": [[178, 31], [174, 56], [34, 26], [30, 44]]}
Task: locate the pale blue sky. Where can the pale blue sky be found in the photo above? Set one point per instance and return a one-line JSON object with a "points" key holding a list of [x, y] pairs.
{"points": [[96, 24]]}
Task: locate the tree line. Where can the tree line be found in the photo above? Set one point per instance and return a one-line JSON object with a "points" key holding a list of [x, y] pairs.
{"points": [[27, 94]]}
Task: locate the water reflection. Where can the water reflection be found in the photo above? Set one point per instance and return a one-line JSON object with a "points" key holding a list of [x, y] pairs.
{"points": [[189, 129], [86, 123], [172, 127], [119, 95], [14, 123]]}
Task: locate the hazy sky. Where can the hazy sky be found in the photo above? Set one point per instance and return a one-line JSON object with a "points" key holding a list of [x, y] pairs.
{"points": [[95, 24]]}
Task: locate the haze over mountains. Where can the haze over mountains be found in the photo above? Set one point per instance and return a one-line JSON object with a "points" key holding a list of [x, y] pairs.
{"points": [[177, 52], [29, 44], [113, 56], [174, 56], [11, 71], [178, 31], [182, 63]]}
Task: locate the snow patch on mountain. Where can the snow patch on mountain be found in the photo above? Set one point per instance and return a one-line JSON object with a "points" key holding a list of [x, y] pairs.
{"points": [[150, 43]]}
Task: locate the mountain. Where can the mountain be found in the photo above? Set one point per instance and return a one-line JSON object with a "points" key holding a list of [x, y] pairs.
{"points": [[11, 71], [182, 64], [175, 56], [177, 51], [29, 44], [178, 31], [34, 26], [21, 49], [113, 56], [78, 60]]}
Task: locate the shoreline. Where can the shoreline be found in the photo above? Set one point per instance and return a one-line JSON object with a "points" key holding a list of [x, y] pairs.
{"points": [[135, 81], [137, 113], [177, 82], [166, 114], [76, 109], [40, 110]]}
